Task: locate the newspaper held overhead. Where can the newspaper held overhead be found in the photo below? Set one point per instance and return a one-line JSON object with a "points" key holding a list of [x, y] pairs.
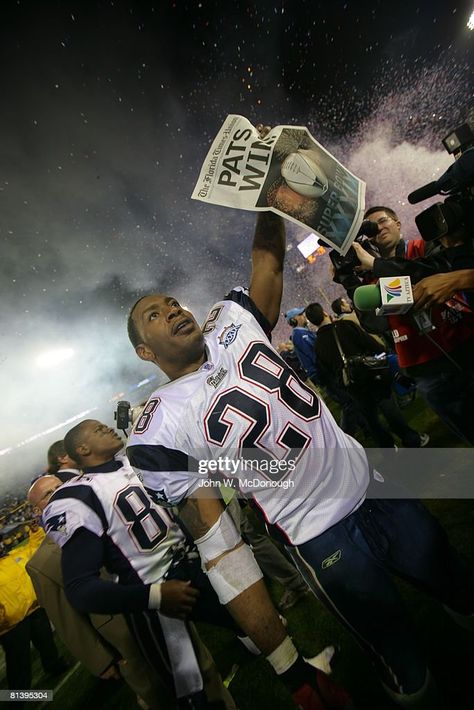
{"points": [[287, 172]]}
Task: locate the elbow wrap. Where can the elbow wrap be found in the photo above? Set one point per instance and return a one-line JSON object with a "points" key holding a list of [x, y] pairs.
{"points": [[223, 536], [234, 573]]}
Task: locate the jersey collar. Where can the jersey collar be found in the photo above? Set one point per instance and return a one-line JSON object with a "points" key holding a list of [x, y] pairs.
{"points": [[107, 467]]}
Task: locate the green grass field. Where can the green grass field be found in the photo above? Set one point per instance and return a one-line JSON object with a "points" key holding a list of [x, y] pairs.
{"points": [[450, 650]]}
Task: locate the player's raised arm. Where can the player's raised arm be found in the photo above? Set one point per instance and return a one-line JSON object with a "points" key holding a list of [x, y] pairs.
{"points": [[268, 254]]}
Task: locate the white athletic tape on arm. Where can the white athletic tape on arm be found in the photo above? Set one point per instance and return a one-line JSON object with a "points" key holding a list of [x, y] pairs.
{"points": [[154, 600], [283, 657], [223, 536], [234, 573]]}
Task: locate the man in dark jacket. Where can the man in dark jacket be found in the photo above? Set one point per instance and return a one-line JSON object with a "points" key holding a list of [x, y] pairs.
{"points": [[355, 341]]}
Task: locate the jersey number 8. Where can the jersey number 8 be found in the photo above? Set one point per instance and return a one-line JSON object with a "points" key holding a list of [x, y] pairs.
{"points": [[145, 524]]}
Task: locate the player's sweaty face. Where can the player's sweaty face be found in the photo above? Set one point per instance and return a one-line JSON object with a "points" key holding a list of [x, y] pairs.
{"points": [[101, 438], [166, 327]]}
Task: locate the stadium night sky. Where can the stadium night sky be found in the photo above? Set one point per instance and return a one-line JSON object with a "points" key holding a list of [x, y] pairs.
{"points": [[107, 112]]}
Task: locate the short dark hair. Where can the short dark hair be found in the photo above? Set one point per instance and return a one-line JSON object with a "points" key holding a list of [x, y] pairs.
{"points": [[380, 208], [336, 306], [315, 313], [73, 440], [54, 452], [132, 330]]}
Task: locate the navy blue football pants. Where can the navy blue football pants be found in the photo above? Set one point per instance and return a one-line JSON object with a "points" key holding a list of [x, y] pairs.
{"points": [[349, 568]]}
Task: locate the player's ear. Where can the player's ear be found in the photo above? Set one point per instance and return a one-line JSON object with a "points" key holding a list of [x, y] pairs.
{"points": [[144, 352], [83, 450]]}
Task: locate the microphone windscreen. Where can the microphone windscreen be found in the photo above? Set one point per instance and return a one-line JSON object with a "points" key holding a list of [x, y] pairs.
{"points": [[423, 193], [367, 298]]}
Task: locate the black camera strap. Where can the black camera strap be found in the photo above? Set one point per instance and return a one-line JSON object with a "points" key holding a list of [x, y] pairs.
{"points": [[345, 364], [339, 346]]}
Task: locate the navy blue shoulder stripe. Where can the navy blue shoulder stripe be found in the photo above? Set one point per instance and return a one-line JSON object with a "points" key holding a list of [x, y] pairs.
{"points": [[154, 457], [246, 302], [86, 495]]}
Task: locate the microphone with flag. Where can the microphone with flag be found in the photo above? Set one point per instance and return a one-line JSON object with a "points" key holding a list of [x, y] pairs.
{"points": [[391, 295]]}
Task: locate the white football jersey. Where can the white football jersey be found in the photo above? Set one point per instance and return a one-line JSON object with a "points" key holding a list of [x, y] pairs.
{"points": [[139, 536], [244, 418]]}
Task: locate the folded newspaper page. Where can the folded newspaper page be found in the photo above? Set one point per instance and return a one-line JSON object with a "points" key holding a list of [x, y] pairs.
{"points": [[287, 172]]}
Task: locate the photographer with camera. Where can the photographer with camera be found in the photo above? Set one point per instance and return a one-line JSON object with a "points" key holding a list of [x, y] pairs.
{"points": [[345, 271], [435, 348]]}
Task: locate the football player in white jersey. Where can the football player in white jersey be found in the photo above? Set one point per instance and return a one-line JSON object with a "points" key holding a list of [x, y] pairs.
{"points": [[104, 517], [152, 691], [232, 400]]}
